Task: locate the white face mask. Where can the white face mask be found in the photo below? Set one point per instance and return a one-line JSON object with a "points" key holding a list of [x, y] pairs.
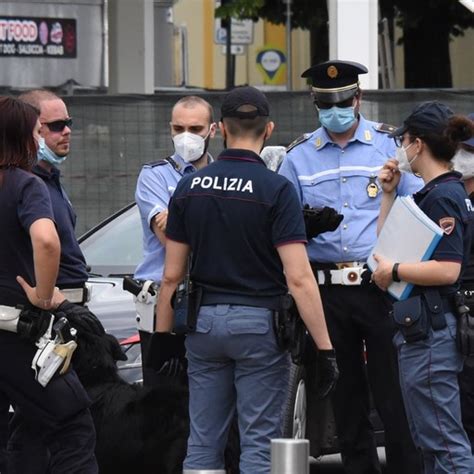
{"points": [[189, 146], [401, 156], [463, 162]]}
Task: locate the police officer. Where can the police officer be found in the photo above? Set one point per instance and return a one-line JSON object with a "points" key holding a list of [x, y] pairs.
{"points": [[25, 445], [243, 227], [29, 247], [463, 162], [429, 365], [53, 150], [192, 126], [337, 165]]}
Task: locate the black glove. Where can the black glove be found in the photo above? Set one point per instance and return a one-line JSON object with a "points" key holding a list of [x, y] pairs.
{"points": [[166, 354], [318, 220], [327, 373], [32, 324], [366, 276]]}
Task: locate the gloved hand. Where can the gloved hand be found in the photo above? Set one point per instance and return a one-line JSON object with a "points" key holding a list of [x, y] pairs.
{"points": [[318, 220], [173, 367], [327, 373], [166, 354], [366, 276], [32, 324]]}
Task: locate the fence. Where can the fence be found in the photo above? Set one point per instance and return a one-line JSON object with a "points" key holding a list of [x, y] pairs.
{"points": [[114, 136]]}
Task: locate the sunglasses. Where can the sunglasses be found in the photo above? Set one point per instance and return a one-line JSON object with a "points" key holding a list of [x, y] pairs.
{"points": [[325, 105], [59, 125]]}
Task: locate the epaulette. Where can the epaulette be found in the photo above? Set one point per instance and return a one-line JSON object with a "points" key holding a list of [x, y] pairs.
{"points": [[299, 140], [152, 164], [385, 128], [164, 161]]}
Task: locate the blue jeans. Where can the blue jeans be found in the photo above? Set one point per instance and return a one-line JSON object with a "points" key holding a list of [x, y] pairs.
{"points": [[234, 363], [428, 378]]}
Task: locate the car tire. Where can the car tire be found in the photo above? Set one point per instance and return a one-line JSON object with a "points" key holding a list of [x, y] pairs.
{"points": [[295, 408]]}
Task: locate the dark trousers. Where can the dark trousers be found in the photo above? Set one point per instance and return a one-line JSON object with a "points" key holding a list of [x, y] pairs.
{"points": [[355, 314], [466, 387], [57, 414]]}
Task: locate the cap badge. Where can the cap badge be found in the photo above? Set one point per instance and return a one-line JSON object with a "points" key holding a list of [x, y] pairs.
{"points": [[447, 224], [332, 72]]}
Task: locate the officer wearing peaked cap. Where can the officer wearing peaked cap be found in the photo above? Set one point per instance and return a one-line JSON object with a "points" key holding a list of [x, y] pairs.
{"points": [[337, 166]]}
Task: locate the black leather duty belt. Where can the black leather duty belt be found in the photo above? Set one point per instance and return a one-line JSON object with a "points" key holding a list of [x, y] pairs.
{"points": [[213, 298]]}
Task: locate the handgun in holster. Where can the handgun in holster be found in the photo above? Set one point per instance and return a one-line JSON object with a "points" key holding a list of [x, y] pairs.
{"points": [[290, 331], [54, 354], [465, 326], [145, 292]]}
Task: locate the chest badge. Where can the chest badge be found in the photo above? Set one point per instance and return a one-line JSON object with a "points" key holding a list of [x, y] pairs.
{"points": [[372, 188]]}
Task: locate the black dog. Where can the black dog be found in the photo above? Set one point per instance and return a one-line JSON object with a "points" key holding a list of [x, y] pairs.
{"points": [[138, 429]]}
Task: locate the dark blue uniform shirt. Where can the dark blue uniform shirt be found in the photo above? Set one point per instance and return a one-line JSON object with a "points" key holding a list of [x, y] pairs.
{"points": [[234, 213], [24, 199], [72, 267], [445, 201]]}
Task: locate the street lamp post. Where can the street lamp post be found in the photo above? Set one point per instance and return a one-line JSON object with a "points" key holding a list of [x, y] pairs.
{"points": [[288, 45]]}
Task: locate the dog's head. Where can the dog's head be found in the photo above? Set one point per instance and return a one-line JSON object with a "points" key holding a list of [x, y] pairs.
{"points": [[97, 352]]}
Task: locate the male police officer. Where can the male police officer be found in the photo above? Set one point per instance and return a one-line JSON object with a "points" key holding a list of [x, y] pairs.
{"points": [[244, 227], [192, 126], [337, 166], [54, 148]]}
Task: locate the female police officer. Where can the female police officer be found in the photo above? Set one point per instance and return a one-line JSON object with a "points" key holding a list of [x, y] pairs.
{"points": [[429, 360], [29, 254]]}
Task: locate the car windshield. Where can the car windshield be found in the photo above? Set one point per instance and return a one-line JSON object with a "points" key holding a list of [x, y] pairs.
{"points": [[114, 247]]}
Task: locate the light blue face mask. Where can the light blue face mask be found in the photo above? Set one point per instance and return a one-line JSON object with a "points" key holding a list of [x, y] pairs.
{"points": [[46, 154], [337, 119]]}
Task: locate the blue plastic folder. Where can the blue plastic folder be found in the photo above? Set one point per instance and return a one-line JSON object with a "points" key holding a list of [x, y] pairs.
{"points": [[408, 235]]}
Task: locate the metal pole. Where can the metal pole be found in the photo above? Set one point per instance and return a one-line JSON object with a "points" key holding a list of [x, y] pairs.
{"points": [[290, 456], [288, 46]]}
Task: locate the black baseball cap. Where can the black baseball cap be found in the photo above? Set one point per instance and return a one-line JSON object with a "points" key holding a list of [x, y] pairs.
{"points": [[335, 81], [427, 117], [245, 95]]}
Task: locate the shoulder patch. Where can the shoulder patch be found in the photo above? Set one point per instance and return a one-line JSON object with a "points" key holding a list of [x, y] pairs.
{"points": [[385, 128], [298, 141]]}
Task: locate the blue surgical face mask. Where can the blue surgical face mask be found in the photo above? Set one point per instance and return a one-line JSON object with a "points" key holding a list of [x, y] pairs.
{"points": [[337, 119], [46, 154]]}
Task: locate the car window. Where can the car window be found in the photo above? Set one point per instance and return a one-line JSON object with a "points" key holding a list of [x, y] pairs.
{"points": [[114, 247]]}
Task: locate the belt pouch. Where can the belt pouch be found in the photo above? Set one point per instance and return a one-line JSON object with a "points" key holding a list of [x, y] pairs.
{"points": [[411, 318], [435, 309]]}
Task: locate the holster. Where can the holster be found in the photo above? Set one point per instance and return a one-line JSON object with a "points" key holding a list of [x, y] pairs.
{"points": [[186, 303], [290, 331], [465, 326]]}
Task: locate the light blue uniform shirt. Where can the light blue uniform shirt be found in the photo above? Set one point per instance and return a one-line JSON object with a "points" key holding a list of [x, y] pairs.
{"points": [[325, 174], [155, 186]]}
